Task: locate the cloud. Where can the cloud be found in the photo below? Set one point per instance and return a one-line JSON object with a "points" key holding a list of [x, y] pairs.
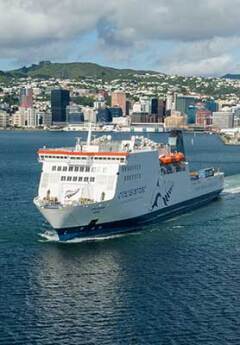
{"points": [[124, 29], [206, 57]]}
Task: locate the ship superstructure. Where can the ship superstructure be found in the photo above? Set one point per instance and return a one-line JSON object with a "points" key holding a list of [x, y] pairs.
{"points": [[103, 187]]}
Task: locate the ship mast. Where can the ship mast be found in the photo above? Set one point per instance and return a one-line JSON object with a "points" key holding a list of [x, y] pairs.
{"points": [[89, 134]]}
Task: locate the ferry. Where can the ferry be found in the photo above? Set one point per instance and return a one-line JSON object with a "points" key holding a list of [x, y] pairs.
{"points": [[102, 187]]}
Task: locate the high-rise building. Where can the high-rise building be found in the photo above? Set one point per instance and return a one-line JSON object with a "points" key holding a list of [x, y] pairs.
{"points": [[119, 99], [171, 102], [223, 119], [59, 101], [162, 108], [128, 105], [154, 106], [26, 98], [183, 103], [211, 105]]}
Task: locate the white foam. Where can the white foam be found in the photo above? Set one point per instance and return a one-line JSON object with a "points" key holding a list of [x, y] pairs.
{"points": [[231, 190], [50, 236]]}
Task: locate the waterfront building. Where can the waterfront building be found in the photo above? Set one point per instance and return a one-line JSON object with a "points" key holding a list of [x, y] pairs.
{"points": [[236, 116], [119, 99], [116, 111], [192, 111], [44, 119], [223, 119], [100, 103], [74, 114], [4, 119], [104, 115], [176, 120], [60, 99], [90, 114], [203, 118], [139, 117], [25, 117]]}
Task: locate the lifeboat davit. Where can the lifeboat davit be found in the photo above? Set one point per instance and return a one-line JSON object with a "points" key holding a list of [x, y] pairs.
{"points": [[172, 158]]}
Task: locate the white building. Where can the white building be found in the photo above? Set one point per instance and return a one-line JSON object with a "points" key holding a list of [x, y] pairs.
{"points": [[223, 119], [44, 119], [90, 114], [171, 101], [143, 106], [25, 117], [4, 119]]}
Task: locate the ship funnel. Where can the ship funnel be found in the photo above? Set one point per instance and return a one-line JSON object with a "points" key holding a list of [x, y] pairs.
{"points": [[175, 141]]}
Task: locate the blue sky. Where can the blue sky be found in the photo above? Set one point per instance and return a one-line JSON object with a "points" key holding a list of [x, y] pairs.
{"points": [[172, 36]]}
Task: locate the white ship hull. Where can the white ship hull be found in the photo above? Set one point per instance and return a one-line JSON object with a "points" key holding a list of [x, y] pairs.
{"points": [[164, 196], [108, 187]]}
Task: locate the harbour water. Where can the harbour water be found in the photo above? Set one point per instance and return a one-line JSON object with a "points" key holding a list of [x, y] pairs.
{"points": [[176, 282]]}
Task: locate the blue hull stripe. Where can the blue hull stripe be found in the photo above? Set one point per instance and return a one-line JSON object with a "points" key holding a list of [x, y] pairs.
{"points": [[130, 225]]}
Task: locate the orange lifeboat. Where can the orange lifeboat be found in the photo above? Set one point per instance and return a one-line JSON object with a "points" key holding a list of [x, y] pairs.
{"points": [[179, 156], [172, 158], [167, 159]]}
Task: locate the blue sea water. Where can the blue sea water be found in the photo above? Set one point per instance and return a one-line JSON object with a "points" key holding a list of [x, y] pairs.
{"points": [[178, 282]]}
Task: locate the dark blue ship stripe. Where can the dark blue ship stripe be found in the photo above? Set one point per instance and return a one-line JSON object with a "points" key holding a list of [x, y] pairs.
{"points": [[130, 225]]}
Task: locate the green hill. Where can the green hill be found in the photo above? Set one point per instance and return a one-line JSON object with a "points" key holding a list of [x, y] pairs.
{"points": [[231, 76], [75, 70]]}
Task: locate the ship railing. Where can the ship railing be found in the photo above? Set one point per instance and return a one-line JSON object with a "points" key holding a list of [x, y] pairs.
{"points": [[46, 202]]}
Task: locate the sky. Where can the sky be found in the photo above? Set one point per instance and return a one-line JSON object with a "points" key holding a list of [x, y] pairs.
{"points": [[185, 37]]}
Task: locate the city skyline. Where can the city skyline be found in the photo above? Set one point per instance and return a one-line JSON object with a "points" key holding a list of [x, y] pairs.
{"points": [[167, 36]]}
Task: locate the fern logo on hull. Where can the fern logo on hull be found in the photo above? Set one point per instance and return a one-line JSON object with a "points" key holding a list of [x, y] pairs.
{"points": [[162, 195]]}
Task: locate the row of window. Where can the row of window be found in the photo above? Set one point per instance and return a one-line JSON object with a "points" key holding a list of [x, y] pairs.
{"points": [[84, 158], [71, 168], [79, 169], [77, 179], [135, 167], [132, 177]]}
